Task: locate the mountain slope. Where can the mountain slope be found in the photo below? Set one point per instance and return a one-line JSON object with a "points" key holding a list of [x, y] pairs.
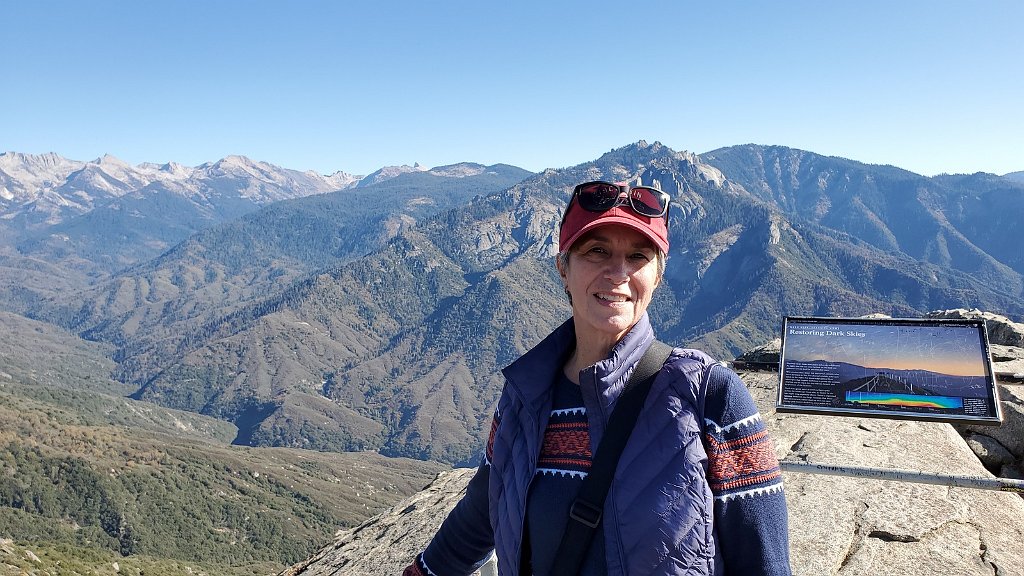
{"points": [[157, 311], [451, 300], [949, 221]]}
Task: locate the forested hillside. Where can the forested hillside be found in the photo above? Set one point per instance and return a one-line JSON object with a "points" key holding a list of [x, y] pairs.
{"points": [[91, 478]]}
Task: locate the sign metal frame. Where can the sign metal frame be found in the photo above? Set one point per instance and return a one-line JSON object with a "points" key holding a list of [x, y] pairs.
{"points": [[896, 368]]}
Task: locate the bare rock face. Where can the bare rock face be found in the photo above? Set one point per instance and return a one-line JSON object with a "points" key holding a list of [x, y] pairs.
{"points": [[1009, 436], [852, 526], [838, 526], [764, 357], [1007, 362], [387, 543], [992, 454], [991, 443]]}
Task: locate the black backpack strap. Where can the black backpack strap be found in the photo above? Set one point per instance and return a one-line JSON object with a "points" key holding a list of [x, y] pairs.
{"points": [[586, 511]]}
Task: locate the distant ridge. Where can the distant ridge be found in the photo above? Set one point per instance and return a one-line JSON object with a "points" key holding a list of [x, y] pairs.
{"points": [[103, 216]]}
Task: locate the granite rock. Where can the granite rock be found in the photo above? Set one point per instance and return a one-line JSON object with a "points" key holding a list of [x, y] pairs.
{"points": [[1001, 330], [991, 453], [854, 526], [388, 542]]}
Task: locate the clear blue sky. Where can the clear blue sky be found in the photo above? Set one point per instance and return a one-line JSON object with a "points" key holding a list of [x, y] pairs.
{"points": [[930, 86]]}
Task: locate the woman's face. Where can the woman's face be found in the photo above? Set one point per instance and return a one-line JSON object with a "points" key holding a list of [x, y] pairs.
{"points": [[611, 275]]}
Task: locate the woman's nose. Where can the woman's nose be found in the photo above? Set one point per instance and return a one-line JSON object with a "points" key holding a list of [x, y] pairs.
{"points": [[618, 269]]}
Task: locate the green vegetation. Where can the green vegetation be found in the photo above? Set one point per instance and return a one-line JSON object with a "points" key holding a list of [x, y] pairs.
{"points": [[68, 560], [91, 495]]}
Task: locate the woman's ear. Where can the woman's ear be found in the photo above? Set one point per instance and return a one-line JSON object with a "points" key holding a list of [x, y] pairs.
{"points": [[560, 265], [561, 262]]}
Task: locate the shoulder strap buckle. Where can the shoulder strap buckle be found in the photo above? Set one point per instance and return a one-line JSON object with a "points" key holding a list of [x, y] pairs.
{"points": [[585, 513]]}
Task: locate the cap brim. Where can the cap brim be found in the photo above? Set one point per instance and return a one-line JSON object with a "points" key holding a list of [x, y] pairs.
{"points": [[653, 228]]}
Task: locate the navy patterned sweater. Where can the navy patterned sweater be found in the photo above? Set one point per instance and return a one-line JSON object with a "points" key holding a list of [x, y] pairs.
{"points": [[743, 474]]}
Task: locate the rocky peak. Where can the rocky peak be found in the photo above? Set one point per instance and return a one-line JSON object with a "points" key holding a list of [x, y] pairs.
{"points": [[338, 180], [15, 159], [236, 165], [30, 173], [638, 153], [389, 172], [175, 170], [460, 170], [110, 161]]}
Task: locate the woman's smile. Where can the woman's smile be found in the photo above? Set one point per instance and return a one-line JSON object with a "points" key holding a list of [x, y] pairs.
{"points": [[612, 299], [611, 274]]}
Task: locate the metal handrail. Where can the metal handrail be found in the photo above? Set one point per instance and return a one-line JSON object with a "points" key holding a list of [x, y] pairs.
{"points": [[976, 482]]}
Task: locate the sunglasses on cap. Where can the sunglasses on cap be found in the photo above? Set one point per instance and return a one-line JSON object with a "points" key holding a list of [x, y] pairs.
{"points": [[602, 196]]}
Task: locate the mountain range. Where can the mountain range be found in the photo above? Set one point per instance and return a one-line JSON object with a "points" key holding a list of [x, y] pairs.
{"points": [[377, 316]]}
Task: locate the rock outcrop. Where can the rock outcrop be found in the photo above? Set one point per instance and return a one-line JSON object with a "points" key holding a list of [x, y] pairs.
{"points": [[853, 526], [1000, 448], [1001, 330], [387, 543], [839, 526]]}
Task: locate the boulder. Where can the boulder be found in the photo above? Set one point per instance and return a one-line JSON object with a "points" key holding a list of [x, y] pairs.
{"points": [[1011, 433], [991, 453], [764, 357], [1007, 362], [1012, 472], [1001, 330]]}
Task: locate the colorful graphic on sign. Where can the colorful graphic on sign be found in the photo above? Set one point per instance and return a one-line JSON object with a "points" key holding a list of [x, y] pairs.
{"points": [[891, 368]]}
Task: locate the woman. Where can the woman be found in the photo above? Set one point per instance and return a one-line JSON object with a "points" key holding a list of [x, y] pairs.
{"points": [[697, 489]]}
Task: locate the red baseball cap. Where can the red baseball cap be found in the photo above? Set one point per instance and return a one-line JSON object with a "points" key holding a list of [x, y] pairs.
{"points": [[579, 221]]}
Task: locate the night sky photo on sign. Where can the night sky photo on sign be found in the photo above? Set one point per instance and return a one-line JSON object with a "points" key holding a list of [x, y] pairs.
{"points": [[887, 368]]}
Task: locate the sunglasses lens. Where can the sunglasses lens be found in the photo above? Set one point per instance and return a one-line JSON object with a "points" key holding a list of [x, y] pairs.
{"points": [[597, 196], [601, 196], [647, 201]]}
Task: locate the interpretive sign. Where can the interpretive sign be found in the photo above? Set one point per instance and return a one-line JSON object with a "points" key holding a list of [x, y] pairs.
{"points": [[888, 368]]}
